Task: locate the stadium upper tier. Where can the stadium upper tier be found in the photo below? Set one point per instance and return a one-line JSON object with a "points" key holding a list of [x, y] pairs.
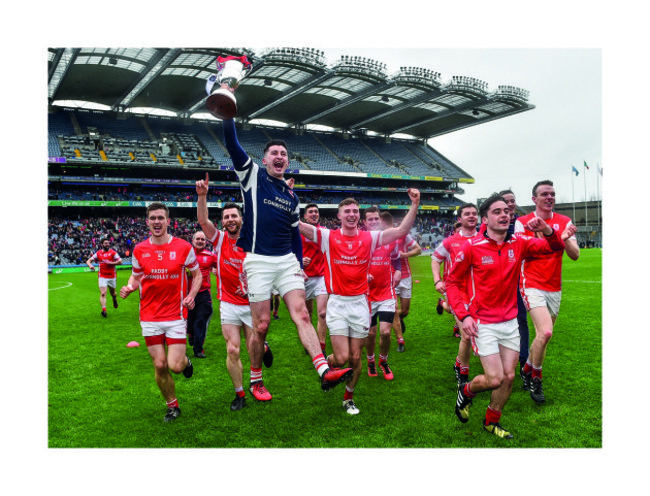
{"points": [[95, 136]]}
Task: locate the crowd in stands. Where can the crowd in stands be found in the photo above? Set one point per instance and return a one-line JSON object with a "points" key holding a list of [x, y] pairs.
{"points": [[139, 193], [73, 241]]}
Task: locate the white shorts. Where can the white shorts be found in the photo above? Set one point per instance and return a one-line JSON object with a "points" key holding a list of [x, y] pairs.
{"points": [[173, 329], [382, 306], [267, 273], [534, 298], [235, 314], [315, 286], [490, 336], [348, 316], [405, 287], [111, 283]]}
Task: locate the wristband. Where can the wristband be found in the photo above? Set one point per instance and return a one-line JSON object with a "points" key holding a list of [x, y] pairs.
{"points": [[129, 287], [552, 231], [436, 283]]}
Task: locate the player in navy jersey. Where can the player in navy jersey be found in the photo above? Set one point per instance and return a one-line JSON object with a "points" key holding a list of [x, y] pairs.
{"points": [[271, 239]]}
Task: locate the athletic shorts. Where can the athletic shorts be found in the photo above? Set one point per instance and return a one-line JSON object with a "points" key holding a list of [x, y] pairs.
{"points": [[103, 282], [405, 287], [171, 332], [236, 314], [348, 316], [534, 298], [490, 336], [267, 273], [315, 286], [382, 306]]}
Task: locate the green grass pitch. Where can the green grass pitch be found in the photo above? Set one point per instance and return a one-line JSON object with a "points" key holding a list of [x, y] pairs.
{"points": [[102, 394]]}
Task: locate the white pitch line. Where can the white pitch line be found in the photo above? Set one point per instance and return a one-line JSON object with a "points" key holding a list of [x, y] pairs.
{"points": [[587, 282], [62, 287]]}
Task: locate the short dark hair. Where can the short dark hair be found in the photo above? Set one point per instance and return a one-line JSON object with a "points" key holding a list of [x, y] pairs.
{"points": [[370, 210], [311, 205], [230, 205], [387, 217], [275, 142], [506, 192], [545, 182], [485, 206], [157, 206], [464, 206]]}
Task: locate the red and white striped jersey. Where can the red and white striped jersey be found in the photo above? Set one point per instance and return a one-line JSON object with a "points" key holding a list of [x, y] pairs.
{"points": [[230, 259], [207, 260], [381, 285], [311, 249]]}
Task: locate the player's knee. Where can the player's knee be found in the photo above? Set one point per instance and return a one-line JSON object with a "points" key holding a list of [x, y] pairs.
{"points": [[262, 327], [160, 364], [404, 313], [340, 358], [495, 381], [372, 333], [322, 314], [547, 334], [232, 350]]}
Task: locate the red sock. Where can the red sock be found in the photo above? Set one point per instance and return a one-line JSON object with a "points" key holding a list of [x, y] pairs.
{"points": [[464, 370], [468, 391], [104, 309], [240, 393], [173, 403], [320, 363], [348, 394], [528, 368], [457, 362], [492, 416], [256, 374], [537, 372]]}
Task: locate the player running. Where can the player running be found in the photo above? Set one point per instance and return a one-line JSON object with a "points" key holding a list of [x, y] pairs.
{"points": [[541, 283], [445, 253], [407, 248], [198, 318], [159, 272], [384, 274], [314, 267], [347, 253], [480, 288], [271, 239], [107, 258]]}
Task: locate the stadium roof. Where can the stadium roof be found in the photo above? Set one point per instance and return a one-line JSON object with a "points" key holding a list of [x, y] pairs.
{"points": [[292, 86]]}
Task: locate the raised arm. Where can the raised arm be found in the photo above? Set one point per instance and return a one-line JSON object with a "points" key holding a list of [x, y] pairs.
{"points": [[237, 154], [307, 230], [207, 226], [403, 229]]}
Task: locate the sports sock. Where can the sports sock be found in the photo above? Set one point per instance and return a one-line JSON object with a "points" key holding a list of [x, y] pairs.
{"points": [[467, 391], [528, 368], [537, 372], [240, 391], [320, 364], [348, 393], [464, 370], [457, 364], [256, 374], [400, 340], [492, 415], [173, 403], [383, 358], [104, 308], [371, 358], [323, 346]]}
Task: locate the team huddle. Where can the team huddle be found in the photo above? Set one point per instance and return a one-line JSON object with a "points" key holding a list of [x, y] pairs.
{"points": [[359, 281]]}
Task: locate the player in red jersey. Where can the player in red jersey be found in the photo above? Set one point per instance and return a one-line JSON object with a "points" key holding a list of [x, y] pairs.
{"points": [[445, 253], [481, 290], [234, 307], [407, 247], [382, 280], [159, 272], [107, 258], [347, 258], [314, 267], [198, 318], [541, 283]]}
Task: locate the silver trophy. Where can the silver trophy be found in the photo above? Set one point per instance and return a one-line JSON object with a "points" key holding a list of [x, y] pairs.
{"points": [[221, 101]]}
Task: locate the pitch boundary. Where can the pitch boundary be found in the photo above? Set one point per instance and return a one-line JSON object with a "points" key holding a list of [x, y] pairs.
{"points": [[62, 287]]}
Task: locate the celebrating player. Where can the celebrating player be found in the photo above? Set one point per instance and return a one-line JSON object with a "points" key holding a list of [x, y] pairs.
{"points": [[408, 248], [107, 258], [159, 272], [198, 318], [381, 292], [347, 253], [541, 283], [314, 267], [271, 239], [445, 253], [481, 292]]}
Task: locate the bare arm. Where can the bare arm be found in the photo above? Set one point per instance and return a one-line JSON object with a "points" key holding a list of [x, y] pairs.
{"points": [[403, 229], [207, 226], [307, 230], [131, 286], [570, 244]]}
